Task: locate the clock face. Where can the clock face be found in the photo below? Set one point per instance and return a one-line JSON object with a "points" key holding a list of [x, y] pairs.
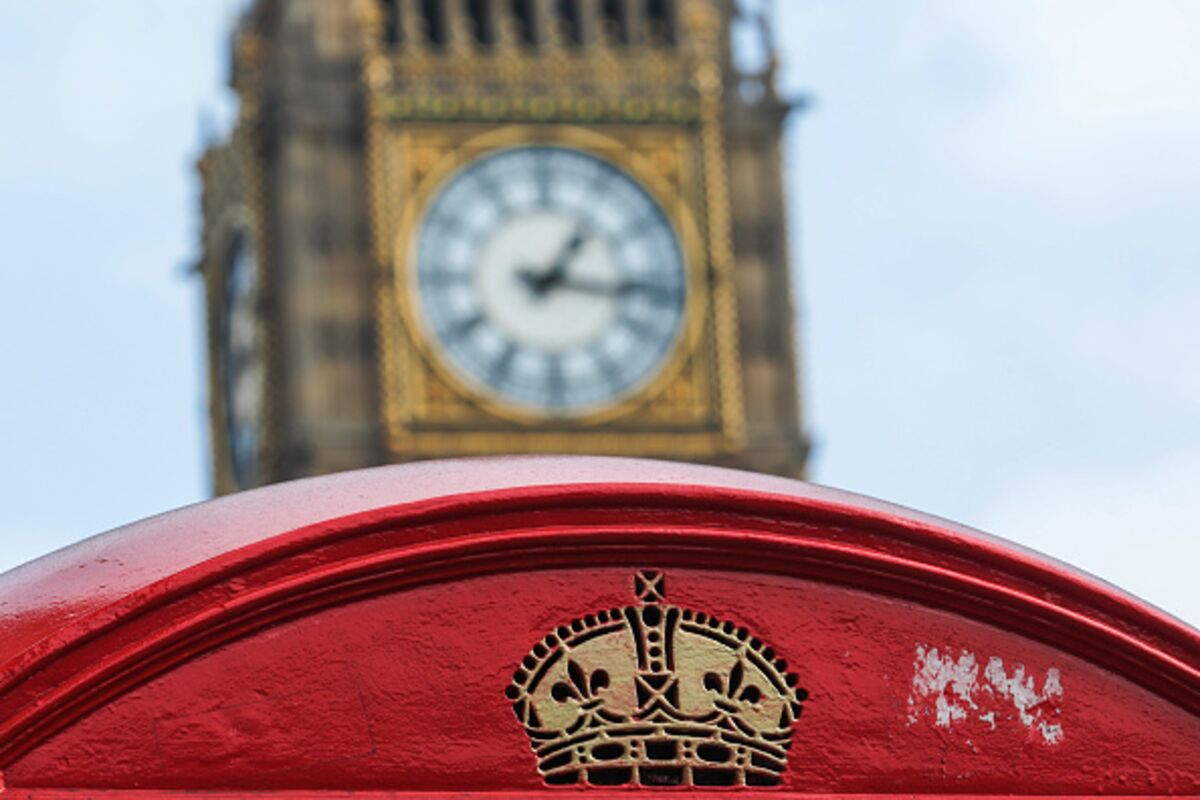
{"points": [[243, 365], [551, 278]]}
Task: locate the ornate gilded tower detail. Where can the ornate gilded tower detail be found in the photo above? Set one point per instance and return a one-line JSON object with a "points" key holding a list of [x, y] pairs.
{"points": [[504, 226], [656, 695]]}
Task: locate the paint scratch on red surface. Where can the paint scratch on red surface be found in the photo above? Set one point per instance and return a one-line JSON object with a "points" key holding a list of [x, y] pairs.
{"points": [[954, 692]]}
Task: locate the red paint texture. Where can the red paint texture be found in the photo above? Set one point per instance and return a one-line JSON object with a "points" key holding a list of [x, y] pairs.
{"points": [[357, 633]]}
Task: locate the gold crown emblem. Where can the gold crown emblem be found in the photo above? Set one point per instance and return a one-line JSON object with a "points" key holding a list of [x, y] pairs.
{"points": [[655, 695]]}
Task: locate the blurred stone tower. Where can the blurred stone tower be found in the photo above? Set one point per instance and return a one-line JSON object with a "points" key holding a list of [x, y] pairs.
{"points": [[473, 227]]}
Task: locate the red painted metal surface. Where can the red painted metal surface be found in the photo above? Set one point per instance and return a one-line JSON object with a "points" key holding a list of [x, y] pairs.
{"points": [[355, 635]]}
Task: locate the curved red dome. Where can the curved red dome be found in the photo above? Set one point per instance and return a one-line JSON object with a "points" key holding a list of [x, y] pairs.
{"points": [[365, 632]]}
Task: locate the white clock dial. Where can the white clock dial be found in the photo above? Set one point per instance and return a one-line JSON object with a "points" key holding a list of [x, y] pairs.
{"points": [[551, 278], [243, 365]]}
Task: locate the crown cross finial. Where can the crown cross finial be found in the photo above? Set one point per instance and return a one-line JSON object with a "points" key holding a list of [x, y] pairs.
{"points": [[650, 586], [655, 695]]}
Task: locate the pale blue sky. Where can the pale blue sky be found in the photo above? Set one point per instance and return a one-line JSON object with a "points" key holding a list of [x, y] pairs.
{"points": [[994, 216]]}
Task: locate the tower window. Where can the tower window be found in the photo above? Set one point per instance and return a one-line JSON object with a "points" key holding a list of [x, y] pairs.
{"points": [[570, 16], [526, 24], [392, 33], [612, 18], [480, 12], [660, 22], [434, 14]]}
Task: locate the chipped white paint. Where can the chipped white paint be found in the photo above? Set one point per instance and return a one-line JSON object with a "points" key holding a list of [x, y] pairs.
{"points": [[1029, 703], [949, 690], [948, 682]]}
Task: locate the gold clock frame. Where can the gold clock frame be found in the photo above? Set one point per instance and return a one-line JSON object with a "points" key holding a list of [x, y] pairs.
{"points": [[592, 143], [658, 117]]}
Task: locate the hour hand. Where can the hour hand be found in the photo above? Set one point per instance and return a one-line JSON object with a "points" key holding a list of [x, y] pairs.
{"points": [[532, 279], [542, 281]]}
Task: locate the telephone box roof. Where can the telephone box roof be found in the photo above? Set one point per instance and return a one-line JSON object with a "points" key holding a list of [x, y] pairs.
{"points": [[459, 625]]}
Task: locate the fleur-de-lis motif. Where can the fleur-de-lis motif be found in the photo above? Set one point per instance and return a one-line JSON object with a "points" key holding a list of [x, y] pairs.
{"points": [[578, 686], [730, 695]]}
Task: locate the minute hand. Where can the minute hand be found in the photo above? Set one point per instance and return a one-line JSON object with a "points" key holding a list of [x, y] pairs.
{"points": [[606, 289]]}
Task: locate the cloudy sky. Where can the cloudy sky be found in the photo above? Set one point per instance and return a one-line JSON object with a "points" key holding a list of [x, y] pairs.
{"points": [[994, 220]]}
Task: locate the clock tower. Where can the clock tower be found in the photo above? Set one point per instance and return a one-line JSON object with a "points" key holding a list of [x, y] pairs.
{"points": [[475, 227]]}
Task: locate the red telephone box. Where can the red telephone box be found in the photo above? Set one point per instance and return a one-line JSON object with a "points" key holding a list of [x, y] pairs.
{"points": [[574, 627]]}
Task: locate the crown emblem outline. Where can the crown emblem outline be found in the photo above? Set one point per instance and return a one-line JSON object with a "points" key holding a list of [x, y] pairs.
{"points": [[656, 695]]}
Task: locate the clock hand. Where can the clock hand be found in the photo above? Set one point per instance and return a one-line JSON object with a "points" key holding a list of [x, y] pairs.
{"points": [[586, 286], [613, 289], [543, 281]]}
